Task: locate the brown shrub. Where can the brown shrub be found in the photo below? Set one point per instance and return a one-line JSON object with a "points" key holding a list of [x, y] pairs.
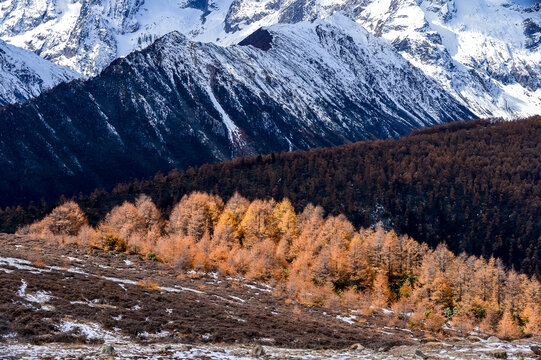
{"points": [[142, 243], [239, 260], [112, 242], [88, 237], [350, 299], [462, 322], [147, 284], [402, 309], [178, 250]]}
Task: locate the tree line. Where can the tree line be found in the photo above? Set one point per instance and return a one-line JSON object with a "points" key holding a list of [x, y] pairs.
{"points": [[314, 259], [474, 186]]}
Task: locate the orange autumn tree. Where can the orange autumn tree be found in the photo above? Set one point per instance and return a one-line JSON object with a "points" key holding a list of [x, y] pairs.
{"points": [[195, 214], [65, 220], [259, 223], [508, 326]]}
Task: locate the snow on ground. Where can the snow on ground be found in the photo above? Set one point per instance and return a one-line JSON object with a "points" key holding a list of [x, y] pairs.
{"points": [[71, 258], [233, 131], [90, 330], [26, 265], [40, 297], [237, 298], [269, 289], [351, 319], [43, 297], [128, 350]]}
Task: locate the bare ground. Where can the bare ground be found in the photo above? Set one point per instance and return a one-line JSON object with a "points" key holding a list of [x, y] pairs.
{"points": [[67, 301]]}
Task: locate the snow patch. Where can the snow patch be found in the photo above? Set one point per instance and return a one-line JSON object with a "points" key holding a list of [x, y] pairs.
{"points": [[350, 319], [40, 297], [233, 131]]}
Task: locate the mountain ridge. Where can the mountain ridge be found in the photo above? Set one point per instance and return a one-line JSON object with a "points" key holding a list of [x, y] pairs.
{"points": [[179, 103], [484, 52]]}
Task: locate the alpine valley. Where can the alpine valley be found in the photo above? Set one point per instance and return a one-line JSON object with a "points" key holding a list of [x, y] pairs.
{"points": [[271, 179]]}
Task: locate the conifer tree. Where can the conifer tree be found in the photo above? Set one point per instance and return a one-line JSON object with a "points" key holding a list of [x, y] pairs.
{"points": [[259, 223], [380, 291], [508, 327]]}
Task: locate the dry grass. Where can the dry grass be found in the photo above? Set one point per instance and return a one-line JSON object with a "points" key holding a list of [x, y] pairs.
{"points": [[147, 284]]}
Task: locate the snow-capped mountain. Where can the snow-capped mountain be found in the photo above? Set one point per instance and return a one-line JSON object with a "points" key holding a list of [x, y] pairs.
{"points": [[88, 35], [179, 103], [24, 75], [484, 52]]}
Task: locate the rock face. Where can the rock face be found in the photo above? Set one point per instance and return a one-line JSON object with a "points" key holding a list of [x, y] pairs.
{"points": [[484, 52], [180, 103], [498, 354], [79, 34], [481, 51], [357, 347], [24, 75], [536, 350], [258, 350]]}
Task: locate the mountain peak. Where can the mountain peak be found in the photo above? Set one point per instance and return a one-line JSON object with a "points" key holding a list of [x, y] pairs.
{"points": [[483, 52], [261, 39], [24, 75]]}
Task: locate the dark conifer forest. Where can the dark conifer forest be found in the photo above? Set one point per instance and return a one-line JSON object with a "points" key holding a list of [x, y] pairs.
{"points": [[473, 185]]}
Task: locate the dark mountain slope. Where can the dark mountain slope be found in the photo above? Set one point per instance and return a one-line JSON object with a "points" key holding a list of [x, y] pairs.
{"points": [[179, 103]]}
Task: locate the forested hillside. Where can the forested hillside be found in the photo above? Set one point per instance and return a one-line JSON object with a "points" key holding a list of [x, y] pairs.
{"points": [[473, 185]]}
